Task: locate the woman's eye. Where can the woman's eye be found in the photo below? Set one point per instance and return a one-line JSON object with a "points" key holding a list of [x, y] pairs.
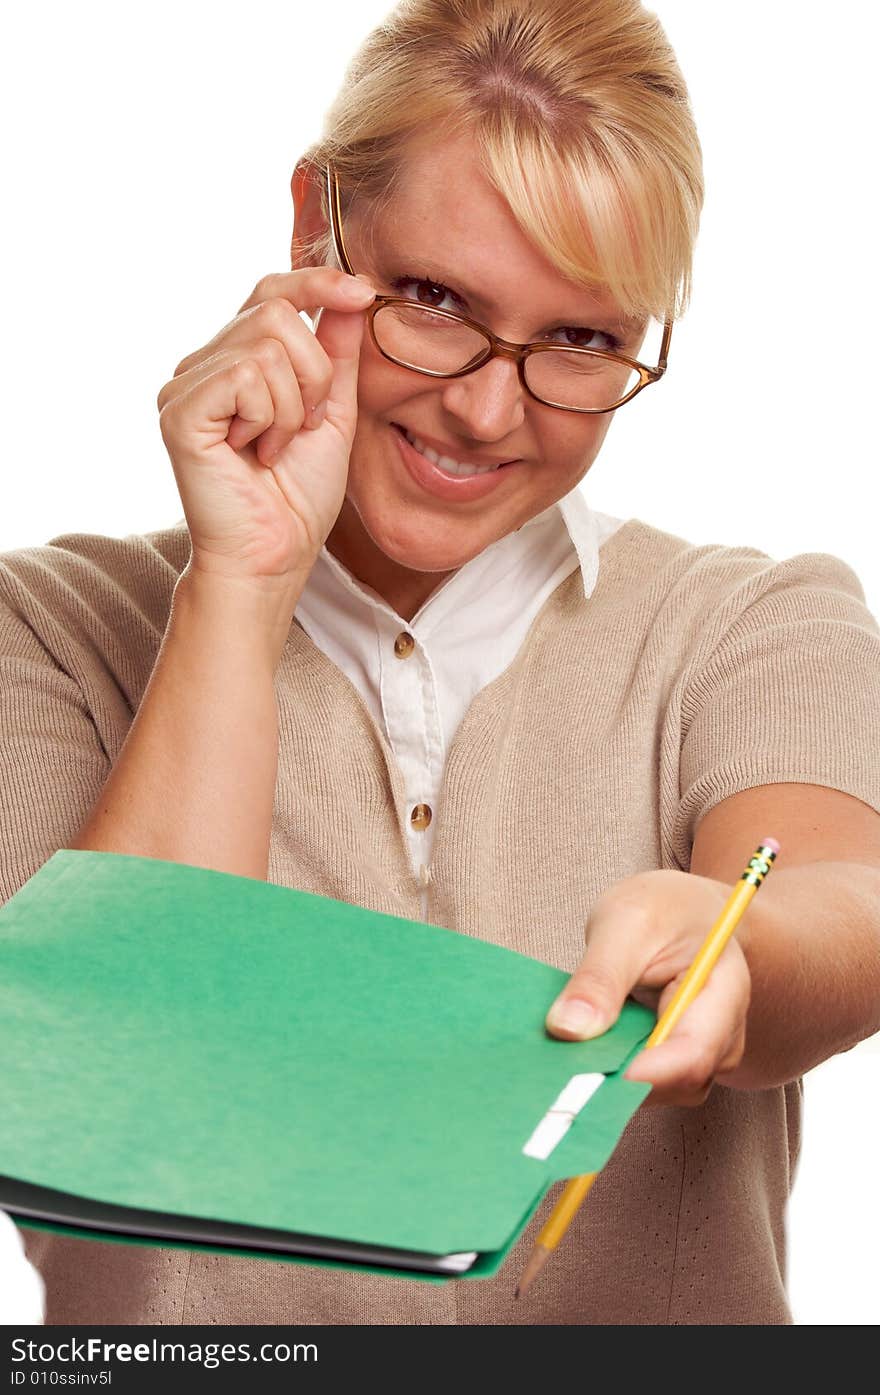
{"points": [[434, 294], [431, 293], [589, 339]]}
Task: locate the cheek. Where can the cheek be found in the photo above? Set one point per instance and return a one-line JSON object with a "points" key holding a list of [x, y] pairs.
{"points": [[382, 385], [595, 430], [573, 444]]}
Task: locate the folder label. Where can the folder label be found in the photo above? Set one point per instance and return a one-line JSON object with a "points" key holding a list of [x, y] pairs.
{"points": [[561, 1114]]}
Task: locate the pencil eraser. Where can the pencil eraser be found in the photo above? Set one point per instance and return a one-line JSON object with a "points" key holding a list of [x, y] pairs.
{"points": [[770, 843]]}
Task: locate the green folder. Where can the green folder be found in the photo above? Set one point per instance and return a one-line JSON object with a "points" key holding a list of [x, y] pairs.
{"points": [[198, 1059]]}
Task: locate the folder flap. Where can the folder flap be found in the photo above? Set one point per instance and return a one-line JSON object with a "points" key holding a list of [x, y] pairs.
{"points": [[192, 1042]]}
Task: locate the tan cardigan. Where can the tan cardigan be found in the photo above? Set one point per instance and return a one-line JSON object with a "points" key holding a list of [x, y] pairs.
{"points": [[690, 673]]}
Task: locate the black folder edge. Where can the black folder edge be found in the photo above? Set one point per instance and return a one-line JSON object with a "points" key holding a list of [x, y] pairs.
{"points": [[44, 1209]]}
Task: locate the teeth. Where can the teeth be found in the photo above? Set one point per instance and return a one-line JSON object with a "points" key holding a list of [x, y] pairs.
{"points": [[445, 462]]}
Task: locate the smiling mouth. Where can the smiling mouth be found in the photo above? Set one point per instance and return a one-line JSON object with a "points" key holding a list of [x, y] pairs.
{"points": [[459, 469]]}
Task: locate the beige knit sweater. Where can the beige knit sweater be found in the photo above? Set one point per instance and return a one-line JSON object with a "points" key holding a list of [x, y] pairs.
{"points": [[689, 674]]}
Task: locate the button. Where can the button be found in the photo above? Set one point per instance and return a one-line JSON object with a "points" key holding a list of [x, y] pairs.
{"points": [[425, 875], [404, 645], [420, 817]]}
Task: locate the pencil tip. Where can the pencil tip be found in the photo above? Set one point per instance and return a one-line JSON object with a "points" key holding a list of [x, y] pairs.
{"points": [[535, 1263]]}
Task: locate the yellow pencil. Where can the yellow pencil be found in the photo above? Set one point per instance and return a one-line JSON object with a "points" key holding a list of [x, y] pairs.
{"points": [[694, 981]]}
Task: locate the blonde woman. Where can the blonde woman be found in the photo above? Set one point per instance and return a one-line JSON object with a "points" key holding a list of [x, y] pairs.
{"points": [[393, 657]]}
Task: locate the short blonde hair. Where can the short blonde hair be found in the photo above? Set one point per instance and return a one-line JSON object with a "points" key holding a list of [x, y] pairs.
{"points": [[580, 116]]}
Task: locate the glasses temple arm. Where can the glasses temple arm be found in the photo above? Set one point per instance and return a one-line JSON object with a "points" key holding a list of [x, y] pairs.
{"points": [[334, 212]]}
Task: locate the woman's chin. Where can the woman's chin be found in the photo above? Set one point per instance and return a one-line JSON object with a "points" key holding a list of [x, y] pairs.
{"points": [[415, 544], [379, 542], [424, 555]]}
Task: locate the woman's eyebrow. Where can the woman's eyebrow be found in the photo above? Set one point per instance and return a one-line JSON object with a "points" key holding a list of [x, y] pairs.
{"points": [[417, 264]]}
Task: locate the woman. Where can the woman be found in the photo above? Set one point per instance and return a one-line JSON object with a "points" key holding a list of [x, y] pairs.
{"points": [[494, 709]]}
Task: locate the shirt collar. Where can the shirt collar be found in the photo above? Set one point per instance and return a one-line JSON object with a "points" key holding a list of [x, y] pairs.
{"points": [[580, 522], [583, 529]]}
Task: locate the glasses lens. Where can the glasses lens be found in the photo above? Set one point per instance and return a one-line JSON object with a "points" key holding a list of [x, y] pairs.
{"points": [[413, 335], [417, 337], [586, 382]]}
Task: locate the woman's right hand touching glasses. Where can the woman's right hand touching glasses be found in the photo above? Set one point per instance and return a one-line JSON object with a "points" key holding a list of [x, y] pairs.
{"points": [[259, 425]]}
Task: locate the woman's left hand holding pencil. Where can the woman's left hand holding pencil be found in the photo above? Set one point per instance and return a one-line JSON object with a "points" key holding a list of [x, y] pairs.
{"points": [[641, 938]]}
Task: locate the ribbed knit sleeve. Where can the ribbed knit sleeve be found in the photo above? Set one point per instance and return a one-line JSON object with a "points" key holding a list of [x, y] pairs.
{"points": [[51, 762], [80, 624], [790, 692]]}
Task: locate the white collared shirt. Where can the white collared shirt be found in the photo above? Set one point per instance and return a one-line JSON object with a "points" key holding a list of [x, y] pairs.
{"points": [[418, 677]]}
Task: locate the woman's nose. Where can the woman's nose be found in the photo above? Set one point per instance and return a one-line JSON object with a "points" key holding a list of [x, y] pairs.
{"points": [[489, 403]]}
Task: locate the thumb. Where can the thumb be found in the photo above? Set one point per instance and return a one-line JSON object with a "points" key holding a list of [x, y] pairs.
{"points": [[585, 1008], [340, 334], [592, 999]]}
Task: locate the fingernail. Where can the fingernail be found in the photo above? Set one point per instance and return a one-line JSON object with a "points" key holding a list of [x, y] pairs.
{"points": [[358, 288], [574, 1015], [316, 415]]}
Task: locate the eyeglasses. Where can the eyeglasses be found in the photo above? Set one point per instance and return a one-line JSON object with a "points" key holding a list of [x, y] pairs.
{"points": [[442, 344]]}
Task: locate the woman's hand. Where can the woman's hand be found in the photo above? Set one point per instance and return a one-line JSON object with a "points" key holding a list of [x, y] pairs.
{"points": [[259, 425], [641, 938]]}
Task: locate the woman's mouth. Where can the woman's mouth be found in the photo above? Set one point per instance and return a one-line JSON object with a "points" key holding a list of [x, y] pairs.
{"points": [[446, 476], [461, 469]]}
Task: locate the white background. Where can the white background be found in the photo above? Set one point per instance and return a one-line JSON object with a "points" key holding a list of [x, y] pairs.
{"points": [[146, 191]]}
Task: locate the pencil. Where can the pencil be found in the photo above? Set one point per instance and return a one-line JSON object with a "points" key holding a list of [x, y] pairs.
{"points": [[694, 981]]}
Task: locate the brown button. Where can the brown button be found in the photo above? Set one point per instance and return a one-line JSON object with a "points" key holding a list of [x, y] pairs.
{"points": [[404, 645], [420, 817]]}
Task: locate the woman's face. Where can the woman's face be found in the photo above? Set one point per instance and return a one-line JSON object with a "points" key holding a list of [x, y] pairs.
{"points": [[404, 526]]}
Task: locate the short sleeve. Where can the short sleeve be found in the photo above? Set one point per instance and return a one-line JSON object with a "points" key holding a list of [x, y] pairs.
{"points": [[790, 693], [52, 762]]}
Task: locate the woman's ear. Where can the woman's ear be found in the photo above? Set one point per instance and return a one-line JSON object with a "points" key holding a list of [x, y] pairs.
{"points": [[308, 218]]}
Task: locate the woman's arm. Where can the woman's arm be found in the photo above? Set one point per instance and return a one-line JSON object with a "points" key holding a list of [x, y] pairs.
{"points": [[799, 982], [812, 935], [813, 951], [195, 780], [258, 424]]}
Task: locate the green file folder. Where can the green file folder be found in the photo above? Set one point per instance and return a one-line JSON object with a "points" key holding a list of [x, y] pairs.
{"points": [[198, 1059]]}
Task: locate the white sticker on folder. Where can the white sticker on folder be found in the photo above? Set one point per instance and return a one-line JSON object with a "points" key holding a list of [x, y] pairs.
{"points": [[561, 1114]]}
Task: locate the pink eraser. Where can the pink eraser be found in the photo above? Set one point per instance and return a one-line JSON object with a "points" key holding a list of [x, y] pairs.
{"points": [[770, 843]]}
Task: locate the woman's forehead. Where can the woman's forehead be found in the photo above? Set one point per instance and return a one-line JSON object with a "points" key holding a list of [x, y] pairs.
{"points": [[444, 218]]}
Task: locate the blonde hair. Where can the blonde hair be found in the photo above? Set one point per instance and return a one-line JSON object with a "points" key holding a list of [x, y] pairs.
{"points": [[580, 116]]}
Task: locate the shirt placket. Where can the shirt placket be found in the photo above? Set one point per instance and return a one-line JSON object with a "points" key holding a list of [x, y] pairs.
{"points": [[408, 692]]}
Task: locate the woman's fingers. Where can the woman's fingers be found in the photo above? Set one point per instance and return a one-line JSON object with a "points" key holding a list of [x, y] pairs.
{"points": [[234, 397], [318, 362], [276, 319], [625, 929], [260, 489], [708, 1041], [311, 286], [285, 414]]}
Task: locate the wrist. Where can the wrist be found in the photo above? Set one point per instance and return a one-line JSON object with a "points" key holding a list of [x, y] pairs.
{"points": [[252, 615]]}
